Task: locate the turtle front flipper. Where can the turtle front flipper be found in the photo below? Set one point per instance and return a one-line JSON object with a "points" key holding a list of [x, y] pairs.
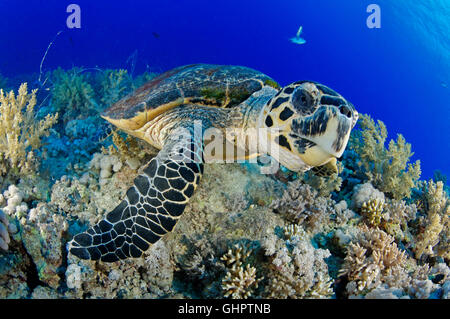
{"points": [[327, 169], [152, 206]]}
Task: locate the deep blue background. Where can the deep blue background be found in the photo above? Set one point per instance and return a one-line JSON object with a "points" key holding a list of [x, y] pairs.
{"points": [[399, 73]]}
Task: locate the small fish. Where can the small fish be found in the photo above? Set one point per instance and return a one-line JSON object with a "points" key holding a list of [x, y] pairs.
{"points": [[156, 35], [297, 39], [444, 85]]}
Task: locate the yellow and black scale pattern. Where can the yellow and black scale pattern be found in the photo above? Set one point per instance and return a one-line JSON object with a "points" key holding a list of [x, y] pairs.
{"points": [[151, 207]]}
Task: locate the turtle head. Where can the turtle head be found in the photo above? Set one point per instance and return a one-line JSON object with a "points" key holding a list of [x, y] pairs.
{"points": [[309, 125]]}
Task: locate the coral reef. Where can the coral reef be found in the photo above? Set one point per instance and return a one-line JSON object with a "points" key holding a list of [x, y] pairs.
{"points": [[114, 84], [371, 231]]}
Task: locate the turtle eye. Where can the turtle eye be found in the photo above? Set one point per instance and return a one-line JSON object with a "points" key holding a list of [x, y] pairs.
{"points": [[303, 101]]}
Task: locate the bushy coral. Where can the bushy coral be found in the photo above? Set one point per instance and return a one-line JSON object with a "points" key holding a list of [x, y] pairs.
{"points": [[78, 92], [114, 84], [435, 224], [389, 169], [396, 216], [20, 132], [72, 94]]}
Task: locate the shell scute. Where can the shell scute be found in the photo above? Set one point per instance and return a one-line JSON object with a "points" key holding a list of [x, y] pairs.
{"points": [[203, 84]]}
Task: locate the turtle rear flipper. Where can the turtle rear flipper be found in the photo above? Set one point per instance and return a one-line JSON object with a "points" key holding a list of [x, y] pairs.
{"points": [[151, 207]]}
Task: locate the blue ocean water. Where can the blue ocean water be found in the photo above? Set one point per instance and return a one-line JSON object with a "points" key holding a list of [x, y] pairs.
{"points": [[399, 73]]}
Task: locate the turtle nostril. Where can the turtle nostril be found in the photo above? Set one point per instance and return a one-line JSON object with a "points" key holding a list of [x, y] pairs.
{"points": [[345, 111]]}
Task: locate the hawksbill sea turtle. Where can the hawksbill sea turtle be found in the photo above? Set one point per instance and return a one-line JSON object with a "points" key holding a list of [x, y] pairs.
{"points": [[302, 126]]}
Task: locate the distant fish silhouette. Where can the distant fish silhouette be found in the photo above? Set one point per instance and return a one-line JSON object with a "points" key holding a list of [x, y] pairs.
{"points": [[156, 35], [444, 85], [297, 39]]}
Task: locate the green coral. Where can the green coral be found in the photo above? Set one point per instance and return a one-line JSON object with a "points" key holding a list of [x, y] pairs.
{"points": [[114, 84], [389, 169], [72, 94], [77, 93]]}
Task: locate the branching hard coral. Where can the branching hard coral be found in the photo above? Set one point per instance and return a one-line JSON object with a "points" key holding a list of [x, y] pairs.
{"points": [[372, 210], [236, 256], [436, 224], [20, 132], [240, 281], [387, 169]]}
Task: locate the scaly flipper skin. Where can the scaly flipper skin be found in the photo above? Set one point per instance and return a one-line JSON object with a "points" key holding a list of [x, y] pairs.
{"points": [[152, 206], [4, 235]]}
